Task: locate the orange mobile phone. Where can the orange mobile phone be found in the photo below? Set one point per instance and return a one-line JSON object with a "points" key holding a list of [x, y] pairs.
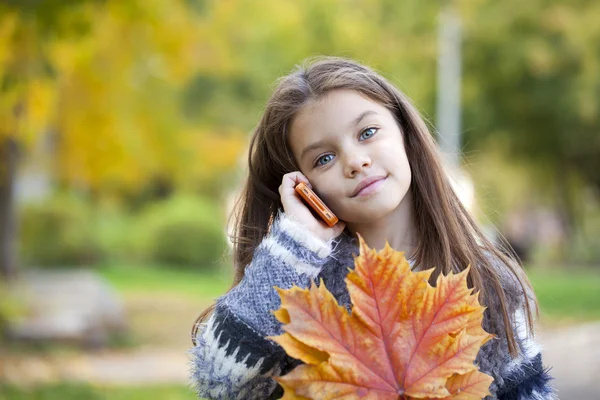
{"points": [[316, 204]]}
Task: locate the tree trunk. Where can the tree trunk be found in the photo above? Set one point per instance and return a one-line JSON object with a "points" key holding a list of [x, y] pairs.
{"points": [[567, 208], [8, 222]]}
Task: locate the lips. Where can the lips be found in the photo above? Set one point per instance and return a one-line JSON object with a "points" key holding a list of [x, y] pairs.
{"points": [[366, 182]]}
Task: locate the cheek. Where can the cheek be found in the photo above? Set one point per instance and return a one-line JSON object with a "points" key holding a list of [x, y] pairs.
{"points": [[324, 191], [400, 161], [328, 191], [403, 173], [334, 202], [402, 164], [323, 181]]}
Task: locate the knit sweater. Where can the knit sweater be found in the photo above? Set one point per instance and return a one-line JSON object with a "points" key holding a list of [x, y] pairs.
{"points": [[232, 358]]}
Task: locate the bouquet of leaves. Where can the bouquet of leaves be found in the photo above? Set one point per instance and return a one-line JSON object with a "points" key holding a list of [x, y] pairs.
{"points": [[404, 339]]}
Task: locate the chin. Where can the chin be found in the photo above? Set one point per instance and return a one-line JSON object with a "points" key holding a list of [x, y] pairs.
{"points": [[370, 213]]}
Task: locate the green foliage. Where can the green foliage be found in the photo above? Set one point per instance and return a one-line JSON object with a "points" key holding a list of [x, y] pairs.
{"points": [[186, 242], [531, 77], [11, 308], [182, 231], [586, 241], [115, 228], [59, 232]]}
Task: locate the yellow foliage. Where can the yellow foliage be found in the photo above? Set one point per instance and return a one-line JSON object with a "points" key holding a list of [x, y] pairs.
{"points": [[112, 99], [216, 152], [39, 100], [8, 26]]}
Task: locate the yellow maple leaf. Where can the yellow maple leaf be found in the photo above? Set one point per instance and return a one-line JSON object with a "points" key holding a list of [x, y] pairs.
{"points": [[404, 339]]}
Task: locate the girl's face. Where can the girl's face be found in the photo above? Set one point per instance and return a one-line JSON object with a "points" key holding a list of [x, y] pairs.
{"points": [[343, 139]]}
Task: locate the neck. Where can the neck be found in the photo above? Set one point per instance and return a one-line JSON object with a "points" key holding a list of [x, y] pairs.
{"points": [[397, 228]]}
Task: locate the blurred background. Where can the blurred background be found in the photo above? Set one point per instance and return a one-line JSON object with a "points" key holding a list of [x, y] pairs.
{"points": [[123, 131]]}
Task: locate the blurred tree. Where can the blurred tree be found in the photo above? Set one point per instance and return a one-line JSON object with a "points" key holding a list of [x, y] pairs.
{"points": [[101, 79], [26, 95], [532, 82], [260, 40], [136, 92]]}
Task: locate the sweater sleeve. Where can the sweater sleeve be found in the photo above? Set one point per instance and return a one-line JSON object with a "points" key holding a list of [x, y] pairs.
{"points": [[232, 358], [525, 377]]}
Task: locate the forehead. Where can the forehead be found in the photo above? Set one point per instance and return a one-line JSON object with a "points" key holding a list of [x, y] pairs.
{"points": [[332, 114]]}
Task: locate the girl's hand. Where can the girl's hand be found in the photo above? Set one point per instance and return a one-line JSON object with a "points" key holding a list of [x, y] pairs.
{"points": [[297, 210]]}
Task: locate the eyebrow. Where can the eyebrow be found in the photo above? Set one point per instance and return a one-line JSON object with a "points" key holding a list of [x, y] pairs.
{"points": [[320, 143]]}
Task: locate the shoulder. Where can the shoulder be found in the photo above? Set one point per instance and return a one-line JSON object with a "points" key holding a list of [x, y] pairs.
{"points": [[513, 279], [523, 376]]}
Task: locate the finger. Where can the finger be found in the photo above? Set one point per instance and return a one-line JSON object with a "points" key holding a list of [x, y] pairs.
{"points": [[294, 178], [338, 228]]}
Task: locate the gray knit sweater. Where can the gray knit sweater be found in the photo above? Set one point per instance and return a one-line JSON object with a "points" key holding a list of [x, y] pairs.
{"points": [[233, 360]]}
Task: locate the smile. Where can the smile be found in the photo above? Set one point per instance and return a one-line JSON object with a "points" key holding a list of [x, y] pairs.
{"points": [[371, 187]]}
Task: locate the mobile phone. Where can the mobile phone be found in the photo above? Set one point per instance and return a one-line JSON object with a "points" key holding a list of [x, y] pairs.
{"points": [[316, 204]]}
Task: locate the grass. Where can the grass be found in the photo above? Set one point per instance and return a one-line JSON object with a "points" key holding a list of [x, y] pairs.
{"points": [[78, 391], [567, 295], [162, 303], [200, 284]]}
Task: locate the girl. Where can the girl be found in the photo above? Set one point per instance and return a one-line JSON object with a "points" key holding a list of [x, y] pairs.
{"points": [[362, 146]]}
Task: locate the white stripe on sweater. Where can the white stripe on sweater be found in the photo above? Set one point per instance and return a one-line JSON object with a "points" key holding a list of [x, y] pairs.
{"points": [[304, 236], [225, 368], [530, 347], [535, 395], [225, 365], [289, 258]]}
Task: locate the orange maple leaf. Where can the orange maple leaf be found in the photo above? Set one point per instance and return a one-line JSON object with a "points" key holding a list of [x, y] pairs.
{"points": [[404, 339]]}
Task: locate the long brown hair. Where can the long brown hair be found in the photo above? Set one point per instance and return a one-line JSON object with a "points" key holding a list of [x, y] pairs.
{"points": [[448, 237]]}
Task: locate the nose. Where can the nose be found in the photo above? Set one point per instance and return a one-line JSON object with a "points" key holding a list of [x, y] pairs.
{"points": [[356, 163]]}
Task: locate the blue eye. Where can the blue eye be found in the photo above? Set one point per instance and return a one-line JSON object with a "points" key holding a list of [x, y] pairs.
{"points": [[324, 160], [364, 135]]}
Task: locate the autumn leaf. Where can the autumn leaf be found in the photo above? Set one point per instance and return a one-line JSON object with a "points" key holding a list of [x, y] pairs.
{"points": [[404, 339]]}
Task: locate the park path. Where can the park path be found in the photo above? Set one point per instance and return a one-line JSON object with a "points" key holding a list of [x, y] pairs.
{"points": [[573, 353]]}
